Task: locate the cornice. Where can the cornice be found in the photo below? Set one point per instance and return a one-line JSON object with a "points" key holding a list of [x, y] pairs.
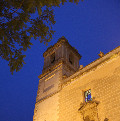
{"points": [[61, 41], [50, 69]]}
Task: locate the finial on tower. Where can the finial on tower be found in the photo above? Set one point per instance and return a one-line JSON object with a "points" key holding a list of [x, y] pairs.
{"points": [[101, 54]]}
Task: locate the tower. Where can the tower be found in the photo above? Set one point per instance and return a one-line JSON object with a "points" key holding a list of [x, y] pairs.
{"points": [[60, 61]]}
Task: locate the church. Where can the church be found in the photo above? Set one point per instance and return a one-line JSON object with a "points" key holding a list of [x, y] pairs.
{"points": [[68, 91]]}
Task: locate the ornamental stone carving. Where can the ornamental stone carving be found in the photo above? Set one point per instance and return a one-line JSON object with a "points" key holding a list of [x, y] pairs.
{"points": [[89, 111]]}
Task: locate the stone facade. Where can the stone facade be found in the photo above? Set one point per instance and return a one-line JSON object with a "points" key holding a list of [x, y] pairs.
{"points": [[62, 87]]}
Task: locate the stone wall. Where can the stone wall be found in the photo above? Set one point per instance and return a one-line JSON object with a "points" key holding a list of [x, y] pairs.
{"points": [[104, 82], [47, 110]]}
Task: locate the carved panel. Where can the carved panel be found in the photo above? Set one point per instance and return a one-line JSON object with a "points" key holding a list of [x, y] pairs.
{"points": [[89, 111]]}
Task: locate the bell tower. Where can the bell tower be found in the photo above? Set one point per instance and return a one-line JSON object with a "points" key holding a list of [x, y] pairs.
{"points": [[60, 61]]}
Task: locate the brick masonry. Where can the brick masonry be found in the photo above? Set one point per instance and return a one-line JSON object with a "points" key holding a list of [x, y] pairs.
{"points": [[62, 99], [104, 83]]}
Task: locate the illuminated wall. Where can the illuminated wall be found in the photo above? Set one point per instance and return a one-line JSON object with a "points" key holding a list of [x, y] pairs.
{"points": [[65, 101], [104, 81]]}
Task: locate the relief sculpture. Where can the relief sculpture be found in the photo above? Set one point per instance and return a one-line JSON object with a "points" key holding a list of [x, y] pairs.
{"points": [[89, 111]]}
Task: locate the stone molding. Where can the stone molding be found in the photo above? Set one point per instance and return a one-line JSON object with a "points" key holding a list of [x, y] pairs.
{"points": [[62, 40], [89, 110]]}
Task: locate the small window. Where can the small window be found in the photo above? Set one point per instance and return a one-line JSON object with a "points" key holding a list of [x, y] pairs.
{"points": [[71, 59], [88, 95], [52, 58]]}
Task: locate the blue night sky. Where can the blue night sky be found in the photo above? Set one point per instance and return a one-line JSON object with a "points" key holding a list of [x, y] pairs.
{"points": [[91, 26]]}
